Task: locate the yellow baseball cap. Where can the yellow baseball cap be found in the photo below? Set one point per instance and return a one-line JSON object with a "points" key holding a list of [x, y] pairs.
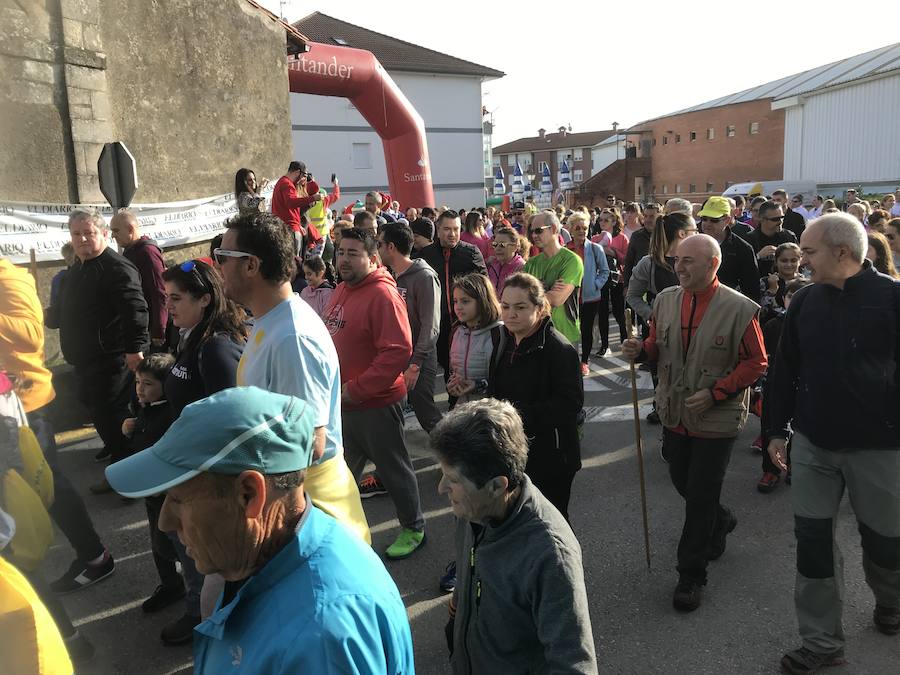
{"points": [[715, 207]]}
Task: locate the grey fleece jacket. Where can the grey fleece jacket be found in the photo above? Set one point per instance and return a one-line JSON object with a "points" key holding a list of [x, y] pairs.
{"points": [[521, 604], [420, 289]]}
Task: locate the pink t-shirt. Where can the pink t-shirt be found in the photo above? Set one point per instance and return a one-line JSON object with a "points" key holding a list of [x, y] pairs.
{"points": [[483, 244], [619, 243]]}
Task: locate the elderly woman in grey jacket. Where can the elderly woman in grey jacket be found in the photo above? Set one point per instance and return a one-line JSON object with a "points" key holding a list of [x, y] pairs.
{"points": [[656, 272]]}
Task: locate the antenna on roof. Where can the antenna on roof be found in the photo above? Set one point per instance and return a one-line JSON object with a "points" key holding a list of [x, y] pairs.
{"points": [[281, 5]]}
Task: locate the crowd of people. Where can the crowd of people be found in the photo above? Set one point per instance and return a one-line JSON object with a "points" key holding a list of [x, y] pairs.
{"points": [[243, 395]]}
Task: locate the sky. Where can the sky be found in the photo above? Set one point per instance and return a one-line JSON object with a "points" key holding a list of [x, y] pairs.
{"points": [[590, 64]]}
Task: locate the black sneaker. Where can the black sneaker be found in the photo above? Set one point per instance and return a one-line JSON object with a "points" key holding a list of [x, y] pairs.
{"points": [[371, 486], [802, 661], [103, 455], [887, 619], [653, 417], [448, 578], [717, 542], [687, 595], [81, 575], [80, 648], [162, 597], [180, 631]]}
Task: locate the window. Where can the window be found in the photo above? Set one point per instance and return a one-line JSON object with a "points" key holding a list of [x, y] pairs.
{"points": [[496, 161], [710, 134], [654, 142], [677, 189], [665, 189], [579, 154], [693, 136], [639, 190], [729, 131], [563, 155], [754, 128], [510, 160], [577, 176], [709, 187], [654, 189], [665, 140], [693, 188], [678, 138], [362, 155]]}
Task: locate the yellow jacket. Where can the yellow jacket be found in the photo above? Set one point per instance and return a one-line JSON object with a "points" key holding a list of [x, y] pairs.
{"points": [[22, 337]]}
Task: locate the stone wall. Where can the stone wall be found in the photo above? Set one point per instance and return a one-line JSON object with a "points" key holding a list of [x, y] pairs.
{"points": [[195, 89]]}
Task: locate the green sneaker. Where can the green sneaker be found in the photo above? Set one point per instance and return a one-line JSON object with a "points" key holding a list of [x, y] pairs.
{"points": [[406, 543]]}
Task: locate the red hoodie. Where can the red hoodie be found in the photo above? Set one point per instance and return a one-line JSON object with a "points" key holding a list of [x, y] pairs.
{"points": [[287, 205], [370, 328]]}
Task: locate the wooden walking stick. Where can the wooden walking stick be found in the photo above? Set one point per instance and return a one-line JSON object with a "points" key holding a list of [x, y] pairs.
{"points": [[637, 441]]}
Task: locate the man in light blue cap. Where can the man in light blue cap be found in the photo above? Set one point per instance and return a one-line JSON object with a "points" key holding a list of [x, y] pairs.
{"points": [[302, 594]]}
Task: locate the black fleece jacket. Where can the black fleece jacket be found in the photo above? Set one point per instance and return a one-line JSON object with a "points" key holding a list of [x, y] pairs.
{"points": [[836, 377]]}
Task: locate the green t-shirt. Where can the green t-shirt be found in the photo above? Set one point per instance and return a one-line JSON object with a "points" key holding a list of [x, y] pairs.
{"points": [[567, 267]]}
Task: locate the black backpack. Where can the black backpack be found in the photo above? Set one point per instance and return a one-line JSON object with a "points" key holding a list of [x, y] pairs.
{"points": [[615, 271]]}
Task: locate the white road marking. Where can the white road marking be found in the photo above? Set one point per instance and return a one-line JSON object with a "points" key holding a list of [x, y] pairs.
{"points": [[107, 613]]}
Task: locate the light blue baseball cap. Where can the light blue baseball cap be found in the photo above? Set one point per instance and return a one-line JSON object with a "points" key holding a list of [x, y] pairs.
{"points": [[234, 430]]}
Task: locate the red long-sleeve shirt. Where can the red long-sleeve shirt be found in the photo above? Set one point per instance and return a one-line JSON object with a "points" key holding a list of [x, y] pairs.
{"points": [[288, 205], [752, 360]]}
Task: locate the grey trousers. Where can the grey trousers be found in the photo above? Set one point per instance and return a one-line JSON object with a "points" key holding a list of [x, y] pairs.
{"points": [[377, 435], [421, 398], [872, 480]]}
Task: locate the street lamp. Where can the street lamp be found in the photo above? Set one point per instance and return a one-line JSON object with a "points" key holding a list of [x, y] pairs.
{"points": [[615, 126]]}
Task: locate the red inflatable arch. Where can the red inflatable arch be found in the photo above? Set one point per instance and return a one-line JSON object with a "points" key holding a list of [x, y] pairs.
{"points": [[357, 75]]}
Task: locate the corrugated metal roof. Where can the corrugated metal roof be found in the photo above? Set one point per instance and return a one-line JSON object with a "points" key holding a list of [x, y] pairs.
{"points": [[391, 52], [877, 61]]}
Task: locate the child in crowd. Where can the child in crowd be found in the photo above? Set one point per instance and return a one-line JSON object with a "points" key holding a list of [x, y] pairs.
{"points": [[152, 420], [474, 337], [773, 286], [771, 336], [320, 283]]}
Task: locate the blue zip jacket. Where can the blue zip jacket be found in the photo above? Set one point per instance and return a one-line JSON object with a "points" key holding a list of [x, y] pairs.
{"points": [[596, 272], [324, 604]]}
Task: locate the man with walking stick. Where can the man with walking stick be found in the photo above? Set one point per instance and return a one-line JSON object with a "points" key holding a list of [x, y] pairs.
{"points": [[709, 349]]}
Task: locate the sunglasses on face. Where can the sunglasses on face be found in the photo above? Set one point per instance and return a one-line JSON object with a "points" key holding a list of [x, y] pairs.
{"points": [[223, 254], [707, 219], [776, 219], [539, 230], [500, 244]]}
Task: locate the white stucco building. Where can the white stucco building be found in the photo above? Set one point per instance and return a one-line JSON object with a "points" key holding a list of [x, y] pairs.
{"points": [[331, 136], [842, 122]]}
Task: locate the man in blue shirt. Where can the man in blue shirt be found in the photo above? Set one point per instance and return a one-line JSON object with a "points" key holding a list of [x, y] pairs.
{"points": [[302, 594]]}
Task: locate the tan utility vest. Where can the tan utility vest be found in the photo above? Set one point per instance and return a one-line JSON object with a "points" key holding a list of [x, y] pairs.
{"points": [[712, 354]]}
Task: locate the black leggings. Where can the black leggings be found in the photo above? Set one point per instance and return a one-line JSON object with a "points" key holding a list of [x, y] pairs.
{"points": [[616, 296], [590, 311]]}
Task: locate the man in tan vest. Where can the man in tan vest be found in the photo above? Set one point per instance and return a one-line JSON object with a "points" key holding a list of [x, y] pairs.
{"points": [[709, 349]]}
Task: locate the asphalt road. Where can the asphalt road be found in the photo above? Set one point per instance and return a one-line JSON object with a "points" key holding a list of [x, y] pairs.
{"points": [[745, 623]]}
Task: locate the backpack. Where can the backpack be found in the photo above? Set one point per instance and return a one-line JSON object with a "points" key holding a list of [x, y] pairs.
{"points": [[615, 269], [26, 487]]}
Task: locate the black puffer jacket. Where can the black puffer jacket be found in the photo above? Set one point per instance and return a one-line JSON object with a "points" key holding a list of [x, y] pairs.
{"points": [[102, 311], [837, 374], [541, 377]]}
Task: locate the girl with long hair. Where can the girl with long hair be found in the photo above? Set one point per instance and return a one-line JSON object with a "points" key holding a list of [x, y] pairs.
{"points": [[477, 311], [319, 277], [246, 192], [473, 232]]}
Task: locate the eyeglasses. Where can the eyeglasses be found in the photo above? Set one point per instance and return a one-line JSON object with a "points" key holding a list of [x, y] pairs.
{"points": [[500, 244], [707, 219], [223, 254], [539, 229]]}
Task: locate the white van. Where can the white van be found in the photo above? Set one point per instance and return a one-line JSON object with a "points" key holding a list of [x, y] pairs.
{"points": [[808, 190]]}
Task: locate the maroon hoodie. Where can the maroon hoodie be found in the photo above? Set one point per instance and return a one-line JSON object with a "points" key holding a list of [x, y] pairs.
{"points": [[146, 256], [370, 329]]}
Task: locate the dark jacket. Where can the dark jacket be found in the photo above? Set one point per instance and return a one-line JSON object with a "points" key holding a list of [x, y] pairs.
{"points": [[457, 261], [837, 377], [541, 377], [742, 230], [759, 240], [638, 247], [152, 421], [201, 371], [739, 269], [146, 255], [102, 311], [521, 605], [795, 222]]}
